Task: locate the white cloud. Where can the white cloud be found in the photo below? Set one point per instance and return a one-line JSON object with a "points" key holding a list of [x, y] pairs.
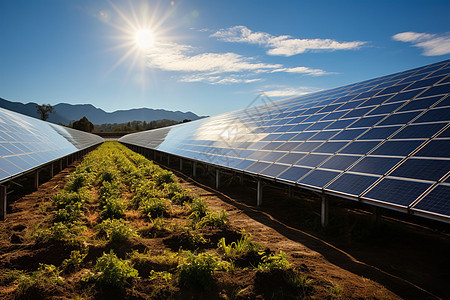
{"points": [[432, 44], [289, 92], [175, 57], [303, 70], [284, 45], [210, 67], [211, 79]]}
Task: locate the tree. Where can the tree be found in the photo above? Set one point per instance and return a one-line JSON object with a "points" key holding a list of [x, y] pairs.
{"points": [[83, 124], [44, 110]]}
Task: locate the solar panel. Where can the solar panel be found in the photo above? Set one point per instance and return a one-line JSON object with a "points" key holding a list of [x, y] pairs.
{"points": [[385, 141], [27, 143]]}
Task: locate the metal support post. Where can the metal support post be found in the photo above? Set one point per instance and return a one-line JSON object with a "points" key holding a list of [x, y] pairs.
{"points": [[194, 169], [36, 180], [181, 164], [290, 191], [259, 192], [3, 202], [168, 160], [60, 165], [241, 178], [217, 178], [324, 211], [51, 170]]}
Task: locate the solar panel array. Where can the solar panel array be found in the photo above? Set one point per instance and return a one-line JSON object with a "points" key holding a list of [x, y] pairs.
{"points": [[384, 141], [27, 143]]}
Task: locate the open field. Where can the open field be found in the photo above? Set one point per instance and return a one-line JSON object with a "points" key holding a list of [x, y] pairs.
{"points": [[118, 226]]}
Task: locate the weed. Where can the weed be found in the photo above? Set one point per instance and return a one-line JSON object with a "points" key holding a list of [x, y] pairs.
{"points": [[113, 208], [298, 281], [111, 271], [243, 246], [69, 234], [195, 239], [154, 207], [10, 276], [216, 219], [73, 263], [180, 197], [274, 262], [117, 230], [199, 208], [336, 291], [195, 271], [166, 276], [76, 182], [147, 262], [164, 177], [45, 275]]}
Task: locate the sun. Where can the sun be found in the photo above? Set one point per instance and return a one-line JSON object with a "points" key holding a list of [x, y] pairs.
{"points": [[144, 39]]}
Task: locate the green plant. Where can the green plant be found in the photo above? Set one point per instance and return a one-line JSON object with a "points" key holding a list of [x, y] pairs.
{"points": [[77, 182], [196, 270], [216, 219], [117, 230], [336, 291], [10, 276], [73, 263], [166, 276], [240, 248], [195, 239], [67, 234], [180, 197], [164, 177], [45, 275], [199, 208], [153, 207], [274, 262], [113, 208], [298, 281], [110, 270]]}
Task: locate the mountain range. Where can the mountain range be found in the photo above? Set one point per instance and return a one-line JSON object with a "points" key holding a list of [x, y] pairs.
{"points": [[66, 113]]}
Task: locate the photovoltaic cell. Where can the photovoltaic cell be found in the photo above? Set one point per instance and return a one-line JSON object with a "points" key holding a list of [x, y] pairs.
{"points": [[426, 169], [352, 135], [319, 178], [396, 191], [375, 165], [436, 201], [352, 184], [397, 148]]}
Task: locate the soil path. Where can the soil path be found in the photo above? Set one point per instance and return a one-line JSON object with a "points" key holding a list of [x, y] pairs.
{"points": [[324, 260]]}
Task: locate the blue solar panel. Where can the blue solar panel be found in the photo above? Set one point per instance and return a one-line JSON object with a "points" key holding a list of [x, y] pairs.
{"points": [[370, 137], [27, 143], [436, 202]]}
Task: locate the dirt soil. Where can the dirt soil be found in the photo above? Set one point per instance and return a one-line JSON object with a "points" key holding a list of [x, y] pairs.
{"points": [[328, 264]]}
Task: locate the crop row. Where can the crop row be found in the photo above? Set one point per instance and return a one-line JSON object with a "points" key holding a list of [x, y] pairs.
{"points": [[113, 206]]}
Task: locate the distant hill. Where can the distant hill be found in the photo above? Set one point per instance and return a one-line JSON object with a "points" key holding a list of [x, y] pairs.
{"points": [[65, 113]]}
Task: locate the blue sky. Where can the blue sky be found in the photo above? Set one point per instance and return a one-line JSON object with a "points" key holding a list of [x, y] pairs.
{"points": [[208, 57]]}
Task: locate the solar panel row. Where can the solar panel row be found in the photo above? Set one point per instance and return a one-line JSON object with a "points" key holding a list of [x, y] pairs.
{"points": [[27, 143], [385, 141]]}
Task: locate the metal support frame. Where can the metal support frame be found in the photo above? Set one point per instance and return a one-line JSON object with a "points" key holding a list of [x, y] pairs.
{"points": [[217, 178], [259, 192], [168, 159], [181, 164], [60, 165], [36, 179], [194, 169], [51, 170], [324, 211], [241, 179], [3, 199]]}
